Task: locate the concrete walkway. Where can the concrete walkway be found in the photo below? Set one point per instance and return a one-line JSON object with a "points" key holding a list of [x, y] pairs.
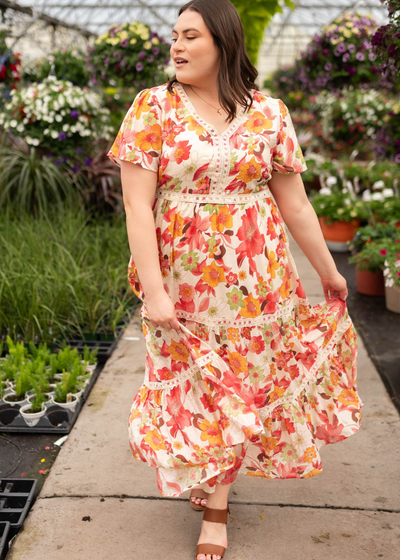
{"points": [[98, 503]]}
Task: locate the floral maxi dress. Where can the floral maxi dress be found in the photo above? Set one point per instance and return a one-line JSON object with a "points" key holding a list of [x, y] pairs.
{"points": [[254, 367]]}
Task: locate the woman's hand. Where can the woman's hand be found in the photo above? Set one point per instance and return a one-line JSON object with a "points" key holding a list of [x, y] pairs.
{"points": [[161, 311], [334, 286]]}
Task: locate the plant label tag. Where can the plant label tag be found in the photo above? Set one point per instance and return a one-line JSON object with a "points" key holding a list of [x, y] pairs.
{"points": [[69, 397]]}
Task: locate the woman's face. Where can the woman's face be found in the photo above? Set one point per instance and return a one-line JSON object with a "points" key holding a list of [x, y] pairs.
{"points": [[193, 42]]}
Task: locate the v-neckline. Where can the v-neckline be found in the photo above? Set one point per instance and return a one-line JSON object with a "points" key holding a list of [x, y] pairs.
{"points": [[191, 108]]}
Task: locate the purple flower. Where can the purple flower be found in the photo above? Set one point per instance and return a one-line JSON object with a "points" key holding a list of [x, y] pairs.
{"points": [[166, 60], [360, 56], [150, 58], [141, 55], [107, 61], [328, 66], [156, 51], [372, 56], [74, 114], [124, 43], [62, 136], [49, 155], [75, 168], [112, 32], [58, 162], [139, 66], [79, 150], [88, 161], [345, 57], [341, 47], [351, 48]]}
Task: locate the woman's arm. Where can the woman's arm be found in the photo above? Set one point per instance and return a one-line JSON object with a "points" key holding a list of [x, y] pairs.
{"points": [[302, 222], [138, 187]]}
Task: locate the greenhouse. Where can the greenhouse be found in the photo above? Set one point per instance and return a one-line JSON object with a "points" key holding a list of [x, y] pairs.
{"points": [[240, 284]]}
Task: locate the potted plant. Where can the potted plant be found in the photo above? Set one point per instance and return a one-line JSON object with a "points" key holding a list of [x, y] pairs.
{"points": [[23, 382], [35, 409], [63, 394], [391, 273], [90, 358], [339, 216], [369, 263]]}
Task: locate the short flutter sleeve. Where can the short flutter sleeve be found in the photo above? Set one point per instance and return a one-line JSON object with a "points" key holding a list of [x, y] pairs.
{"points": [[286, 156], [139, 138]]}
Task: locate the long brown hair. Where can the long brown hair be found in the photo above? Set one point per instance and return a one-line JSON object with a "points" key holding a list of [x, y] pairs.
{"points": [[237, 74]]}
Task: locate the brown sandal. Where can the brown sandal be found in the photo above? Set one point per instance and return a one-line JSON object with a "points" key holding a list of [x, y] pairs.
{"points": [[215, 516], [198, 493]]}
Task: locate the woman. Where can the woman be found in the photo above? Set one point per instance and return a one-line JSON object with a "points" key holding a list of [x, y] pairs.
{"points": [[241, 372]]}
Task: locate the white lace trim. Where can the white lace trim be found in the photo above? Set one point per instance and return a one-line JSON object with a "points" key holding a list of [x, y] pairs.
{"points": [[213, 198]]}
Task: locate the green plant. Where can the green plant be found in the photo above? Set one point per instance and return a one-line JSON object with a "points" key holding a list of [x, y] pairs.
{"points": [[40, 352], [34, 185], [90, 356], [63, 276], [17, 351], [69, 382], [39, 397], [23, 380], [391, 271], [67, 63], [371, 234], [129, 54], [372, 255], [337, 205], [57, 116], [386, 42]]}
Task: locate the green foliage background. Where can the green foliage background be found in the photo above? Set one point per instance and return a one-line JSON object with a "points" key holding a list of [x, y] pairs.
{"points": [[255, 16]]}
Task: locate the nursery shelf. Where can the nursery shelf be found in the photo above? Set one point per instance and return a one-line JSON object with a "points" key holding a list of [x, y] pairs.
{"points": [[4, 531], [16, 497]]}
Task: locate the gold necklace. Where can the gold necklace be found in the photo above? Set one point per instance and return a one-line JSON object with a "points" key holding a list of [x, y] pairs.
{"points": [[218, 110]]}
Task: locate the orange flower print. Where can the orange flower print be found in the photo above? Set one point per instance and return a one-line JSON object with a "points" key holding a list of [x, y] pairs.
{"points": [[155, 440], [176, 225], [251, 307], [249, 171], [221, 219], [210, 432], [270, 443], [257, 122], [277, 393], [194, 125], [233, 335], [273, 264], [181, 151], [213, 275], [310, 454], [285, 288], [238, 362], [282, 108], [242, 275], [142, 106], [268, 424], [348, 397], [178, 351], [147, 139]]}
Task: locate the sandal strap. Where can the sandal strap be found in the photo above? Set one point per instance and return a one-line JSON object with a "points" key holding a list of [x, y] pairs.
{"points": [[216, 515], [205, 549], [199, 493]]}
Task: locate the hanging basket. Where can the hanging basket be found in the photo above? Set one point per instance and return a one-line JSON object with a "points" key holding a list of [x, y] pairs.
{"points": [[370, 283]]}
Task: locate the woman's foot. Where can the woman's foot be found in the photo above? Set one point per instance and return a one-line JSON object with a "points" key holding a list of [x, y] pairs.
{"points": [[201, 499], [214, 533]]}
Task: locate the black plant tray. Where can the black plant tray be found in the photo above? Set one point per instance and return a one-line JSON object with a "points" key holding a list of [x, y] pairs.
{"points": [[105, 347], [4, 531], [16, 498], [57, 420]]}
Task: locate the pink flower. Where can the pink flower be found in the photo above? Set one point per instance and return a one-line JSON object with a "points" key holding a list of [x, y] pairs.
{"points": [[383, 252]]}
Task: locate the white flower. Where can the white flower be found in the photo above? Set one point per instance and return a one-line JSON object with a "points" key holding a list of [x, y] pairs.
{"points": [[347, 201], [387, 192], [54, 134], [377, 196], [366, 196], [20, 127], [325, 191], [13, 123], [330, 181], [378, 185]]}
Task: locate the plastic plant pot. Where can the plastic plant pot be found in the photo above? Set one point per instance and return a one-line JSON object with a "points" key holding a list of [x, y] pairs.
{"points": [[31, 418], [68, 405], [9, 399], [392, 298]]}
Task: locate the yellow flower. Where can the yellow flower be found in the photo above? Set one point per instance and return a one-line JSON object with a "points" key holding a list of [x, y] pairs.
{"points": [[242, 274], [210, 432], [310, 454], [176, 225], [221, 219], [213, 275], [347, 33], [133, 41], [147, 45], [155, 440], [112, 40], [178, 351], [238, 362], [155, 41], [273, 264], [348, 397], [122, 35]]}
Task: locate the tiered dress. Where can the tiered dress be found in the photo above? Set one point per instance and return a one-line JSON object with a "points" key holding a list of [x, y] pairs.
{"points": [[254, 363]]}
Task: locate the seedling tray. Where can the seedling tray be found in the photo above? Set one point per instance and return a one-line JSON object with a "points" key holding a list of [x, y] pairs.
{"points": [[57, 420], [105, 347], [4, 531], [16, 496]]}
